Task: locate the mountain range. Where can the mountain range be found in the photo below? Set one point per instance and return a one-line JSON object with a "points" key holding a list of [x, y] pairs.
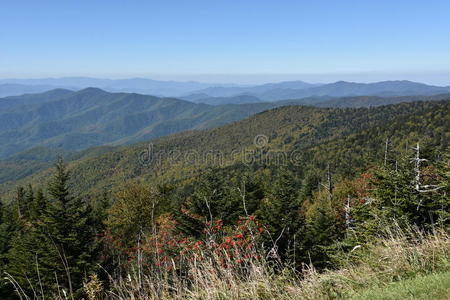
{"points": [[216, 93], [268, 88], [349, 138], [296, 90], [14, 87], [76, 120], [92, 117]]}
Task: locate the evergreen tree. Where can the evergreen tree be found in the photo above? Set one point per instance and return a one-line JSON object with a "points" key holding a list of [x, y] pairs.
{"points": [[280, 211], [409, 194], [70, 234], [442, 203], [28, 203], [57, 250], [20, 201], [8, 226], [39, 206], [316, 238]]}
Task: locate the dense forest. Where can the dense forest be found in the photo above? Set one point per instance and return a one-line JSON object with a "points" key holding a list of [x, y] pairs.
{"points": [[70, 121], [275, 205]]}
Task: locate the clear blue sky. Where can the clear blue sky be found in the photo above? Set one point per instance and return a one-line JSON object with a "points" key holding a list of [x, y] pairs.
{"points": [[227, 39]]}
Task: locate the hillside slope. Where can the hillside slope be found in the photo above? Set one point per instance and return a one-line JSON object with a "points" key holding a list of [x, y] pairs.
{"points": [[68, 120], [92, 117], [341, 136], [371, 101]]}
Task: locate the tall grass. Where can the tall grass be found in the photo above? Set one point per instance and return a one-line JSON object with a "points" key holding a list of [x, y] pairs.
{"points": [[248, 273], [402, 255]]}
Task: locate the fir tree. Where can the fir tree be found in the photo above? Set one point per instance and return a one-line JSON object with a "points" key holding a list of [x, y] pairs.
{"points": [[28, 203], [39, 206], [20, 201], [57, 250], [317, 237], [68, 225], [7, 229]]}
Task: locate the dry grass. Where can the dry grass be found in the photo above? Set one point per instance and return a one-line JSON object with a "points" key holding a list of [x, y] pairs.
{"points": [[402, 257], [388, 260], [208, 276]]}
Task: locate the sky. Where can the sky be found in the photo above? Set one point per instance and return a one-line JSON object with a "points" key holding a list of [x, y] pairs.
{"points": [[243, 41]]}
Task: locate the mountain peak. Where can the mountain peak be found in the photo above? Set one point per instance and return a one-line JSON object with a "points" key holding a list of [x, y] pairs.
{"points": [[91, 90]]}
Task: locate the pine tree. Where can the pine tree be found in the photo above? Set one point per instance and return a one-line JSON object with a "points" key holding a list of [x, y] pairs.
{"points": [[317, 237], [442, 204], [7, 229], [39, 206], [280, 211], [70, 234], [28, 203], [57, 249], [20, 201]]}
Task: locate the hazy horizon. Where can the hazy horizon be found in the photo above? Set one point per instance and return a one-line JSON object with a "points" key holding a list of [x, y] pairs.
{"points": [[250, 42], [432, 78]]}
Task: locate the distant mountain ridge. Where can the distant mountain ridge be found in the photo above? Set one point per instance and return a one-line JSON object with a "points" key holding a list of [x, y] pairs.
{"points": [[275, 92], [240, 99], [31, 99], [12, 87], [255, 90], [208, 92]]}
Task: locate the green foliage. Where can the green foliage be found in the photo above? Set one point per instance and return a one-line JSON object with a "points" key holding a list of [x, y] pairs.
{"points": [[349, 139], [9, 226], [134, 212], [396, 194], [353, 175], [317, 237], [55, 246]]}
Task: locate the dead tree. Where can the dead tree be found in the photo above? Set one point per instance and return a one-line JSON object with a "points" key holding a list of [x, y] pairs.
{"points": [[348, 216], [422, 188], [329, 185], [418, 186]]}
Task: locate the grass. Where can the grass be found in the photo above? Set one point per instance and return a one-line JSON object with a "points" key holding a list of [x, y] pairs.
{"points": [[384, 264], [428, 287], [404, 266]]}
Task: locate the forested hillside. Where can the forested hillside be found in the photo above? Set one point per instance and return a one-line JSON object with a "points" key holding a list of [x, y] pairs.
{"points": [[372, 101], [224, 150], [289, 129], [73, 121], [279, 200], [92, 117]]}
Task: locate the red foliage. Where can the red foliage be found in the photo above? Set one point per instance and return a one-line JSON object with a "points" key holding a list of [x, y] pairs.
{"points": [[167, 246]]}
